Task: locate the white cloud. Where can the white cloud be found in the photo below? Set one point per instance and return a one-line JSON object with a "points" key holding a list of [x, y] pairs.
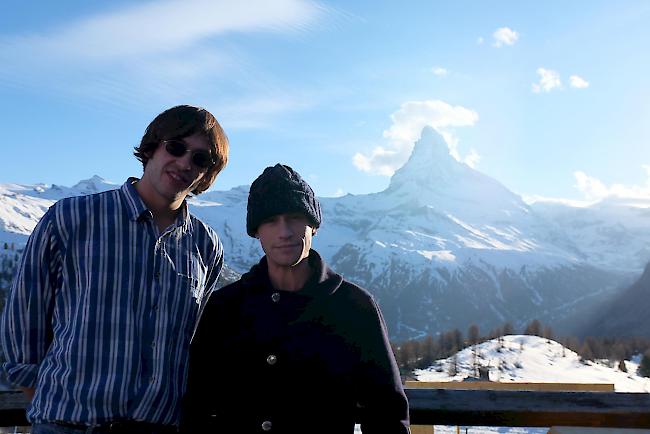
{"points": [[505, 36], [479, 40], [407, 124], [578, 82], [531, 199], [548, 80], [439, 71], [161, 50], [591, 187], [381, 161], [594, 189]]}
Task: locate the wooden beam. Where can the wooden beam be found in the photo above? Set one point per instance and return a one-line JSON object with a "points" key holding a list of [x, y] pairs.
{"points": [[493, 385], [12, 408], [526, 408], [480, 407]]}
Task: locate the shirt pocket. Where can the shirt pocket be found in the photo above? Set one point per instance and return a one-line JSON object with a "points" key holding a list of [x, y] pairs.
{"points": [[192, 275]]}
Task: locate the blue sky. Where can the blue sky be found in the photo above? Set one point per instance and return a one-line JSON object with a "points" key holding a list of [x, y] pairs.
{"points": [[550, 98]]}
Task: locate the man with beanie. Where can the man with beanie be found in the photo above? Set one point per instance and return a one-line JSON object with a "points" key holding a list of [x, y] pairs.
{"points": [[292, 346]]}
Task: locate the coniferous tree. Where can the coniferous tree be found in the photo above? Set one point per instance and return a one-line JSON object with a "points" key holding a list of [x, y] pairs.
{"points": [[428, 351], [508, 329], [534, 328], [403, 356], [586, 352], [457, 339], [644, 366], [548, 333], [473, 334], [453, 366]]}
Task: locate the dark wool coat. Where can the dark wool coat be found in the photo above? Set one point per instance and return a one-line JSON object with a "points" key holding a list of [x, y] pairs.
{"points": [[311, 361]]}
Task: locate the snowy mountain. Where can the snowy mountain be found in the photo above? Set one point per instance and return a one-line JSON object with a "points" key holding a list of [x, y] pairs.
{"points": [[612, 233], [21, 206], [519, 358], [442, 247]]}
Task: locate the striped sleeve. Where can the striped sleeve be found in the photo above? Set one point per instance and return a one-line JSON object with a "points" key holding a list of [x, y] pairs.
{"points": [[26, 321], [214, 266]]}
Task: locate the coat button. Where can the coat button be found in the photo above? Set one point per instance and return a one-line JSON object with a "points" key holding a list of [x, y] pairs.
{"points": [[267, 425], [271, 359], [275, 297]]}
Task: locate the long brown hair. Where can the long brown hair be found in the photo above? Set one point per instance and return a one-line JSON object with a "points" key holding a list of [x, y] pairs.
{"points": [[184, 121]]}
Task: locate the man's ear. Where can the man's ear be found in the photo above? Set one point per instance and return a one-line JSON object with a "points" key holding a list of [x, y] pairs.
{"points": [[149, 155]]}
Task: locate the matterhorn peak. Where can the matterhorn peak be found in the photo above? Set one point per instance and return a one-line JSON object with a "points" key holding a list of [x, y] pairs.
{"points": [[431, 176], [430, 162], [431, 145]]}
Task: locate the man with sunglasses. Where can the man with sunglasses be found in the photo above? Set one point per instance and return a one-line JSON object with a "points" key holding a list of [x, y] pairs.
{"points": [[98, 324]]}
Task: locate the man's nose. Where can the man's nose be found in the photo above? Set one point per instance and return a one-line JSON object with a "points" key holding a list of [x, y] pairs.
{"points": [[185, 161], [285, 229]]}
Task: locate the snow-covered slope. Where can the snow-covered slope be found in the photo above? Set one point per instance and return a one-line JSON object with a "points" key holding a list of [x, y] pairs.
{"points": [[612, 233], [443, 246], [520, 358], [21, 206]]}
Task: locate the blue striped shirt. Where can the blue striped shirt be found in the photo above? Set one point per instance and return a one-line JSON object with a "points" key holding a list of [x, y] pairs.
{"points": [[103, 308]]}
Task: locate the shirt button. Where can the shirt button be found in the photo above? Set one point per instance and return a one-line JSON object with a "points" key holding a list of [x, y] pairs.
{"points": [[267, 425], [271, 359], [157, 274], [153, 345], [275, 297], [152, 379]]}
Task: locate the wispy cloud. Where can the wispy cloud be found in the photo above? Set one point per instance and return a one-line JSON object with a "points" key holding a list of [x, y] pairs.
{"points": [[578, 82], [158, 50], [594, 189], [548, 80], [439, 71], [256, 113], [407, 124], [505, 36]]}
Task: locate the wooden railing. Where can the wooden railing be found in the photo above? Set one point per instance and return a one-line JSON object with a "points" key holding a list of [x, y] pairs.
{"points": [[481, 407], [12, 409], [528, 408]]}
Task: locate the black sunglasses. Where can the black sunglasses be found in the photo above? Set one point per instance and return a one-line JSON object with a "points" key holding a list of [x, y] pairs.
{"points": [[200, 157]]}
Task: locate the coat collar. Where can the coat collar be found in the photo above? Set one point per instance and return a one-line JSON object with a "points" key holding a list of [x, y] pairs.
{"points": [[323, 281]]}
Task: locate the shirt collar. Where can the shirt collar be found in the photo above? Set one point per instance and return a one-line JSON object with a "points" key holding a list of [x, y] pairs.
{"points": [[138, 209], [134, 203]]}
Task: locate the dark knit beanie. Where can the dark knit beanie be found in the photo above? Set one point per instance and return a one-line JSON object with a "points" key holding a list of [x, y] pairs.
{"points": [[280, 190]]}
